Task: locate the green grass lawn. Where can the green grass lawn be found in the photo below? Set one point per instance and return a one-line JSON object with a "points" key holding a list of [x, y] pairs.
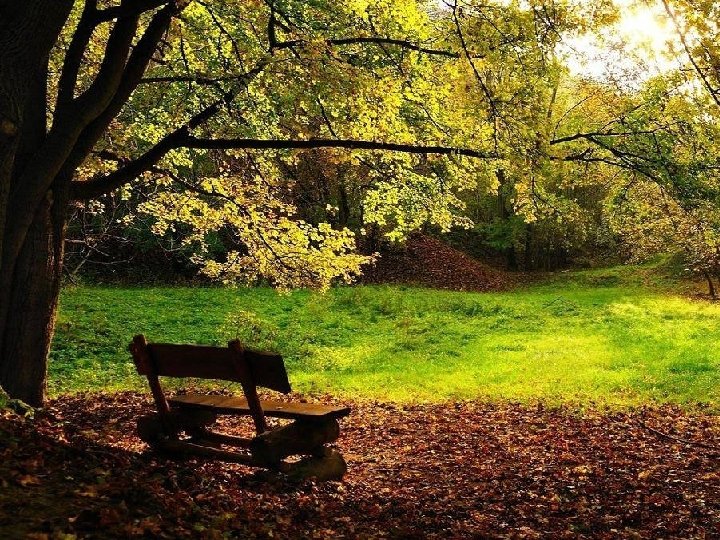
{"points": [[611, 337]]}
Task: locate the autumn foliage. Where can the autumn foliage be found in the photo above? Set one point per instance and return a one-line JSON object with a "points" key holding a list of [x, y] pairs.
{"points": [[434, 471]]}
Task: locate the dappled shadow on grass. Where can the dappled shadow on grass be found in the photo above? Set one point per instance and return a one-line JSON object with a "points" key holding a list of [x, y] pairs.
{"points": [[455, 470], [556, 341]]}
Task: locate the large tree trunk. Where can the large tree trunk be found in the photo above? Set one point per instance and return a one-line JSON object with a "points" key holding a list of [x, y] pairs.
{"points": [[29, 277], [37, 164], [32, 306]]}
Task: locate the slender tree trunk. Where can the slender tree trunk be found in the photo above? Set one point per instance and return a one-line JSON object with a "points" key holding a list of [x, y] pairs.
{"points": [[343, 204], [711, 285], [528, 258], [504, 193]]}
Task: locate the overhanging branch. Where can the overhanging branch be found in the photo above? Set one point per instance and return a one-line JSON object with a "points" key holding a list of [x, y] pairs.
{"points": [[133, 168], [182, 139], [348, 144], [589, 136], [374, 40]]}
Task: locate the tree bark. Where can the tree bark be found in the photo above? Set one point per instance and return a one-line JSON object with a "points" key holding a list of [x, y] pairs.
{"points": [[504, 194], [711, 286], [29, 280], [37, 165], [32, 304]]}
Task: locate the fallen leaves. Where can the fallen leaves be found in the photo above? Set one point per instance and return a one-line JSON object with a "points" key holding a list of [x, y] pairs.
{"points": [[427, 261], [433, 471], [28, 480]]}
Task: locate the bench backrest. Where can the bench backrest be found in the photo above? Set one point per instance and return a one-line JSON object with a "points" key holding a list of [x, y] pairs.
{"points": [[203, 362], [233, 363]]}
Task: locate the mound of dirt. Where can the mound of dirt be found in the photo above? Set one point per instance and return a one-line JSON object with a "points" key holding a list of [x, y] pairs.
{"points": [[428, 262]]}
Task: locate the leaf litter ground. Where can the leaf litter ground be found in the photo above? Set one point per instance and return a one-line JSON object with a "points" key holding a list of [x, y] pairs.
{"points": [[462, 470]]}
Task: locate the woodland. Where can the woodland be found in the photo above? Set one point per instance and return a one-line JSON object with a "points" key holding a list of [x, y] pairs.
{"points": [[490, 230]]}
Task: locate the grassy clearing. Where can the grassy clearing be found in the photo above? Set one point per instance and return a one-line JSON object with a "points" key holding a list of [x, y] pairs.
{"points": [[614, 337]]}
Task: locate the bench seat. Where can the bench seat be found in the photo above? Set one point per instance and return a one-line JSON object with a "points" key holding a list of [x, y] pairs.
{"points": [[272, 408]]}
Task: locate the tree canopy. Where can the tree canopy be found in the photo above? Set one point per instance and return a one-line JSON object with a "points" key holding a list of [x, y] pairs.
{"points": [[221, 114]]}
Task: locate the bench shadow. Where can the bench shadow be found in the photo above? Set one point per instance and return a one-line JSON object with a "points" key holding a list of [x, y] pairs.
{"points": [[87, 471]]}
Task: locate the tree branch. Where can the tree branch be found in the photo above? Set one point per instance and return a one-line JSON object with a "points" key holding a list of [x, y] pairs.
{"points": [[349, 144], [132, 75], [371, 40], [622, 160], [589, 135], [207, 80], [96, 98], [74, 55], [494, 112], [89, 189], [714, 93], [130, 9], [182, 139]]}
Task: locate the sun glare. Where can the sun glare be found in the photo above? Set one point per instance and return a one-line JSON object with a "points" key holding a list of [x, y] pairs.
{"points": [[645, 27], [635, 48]]}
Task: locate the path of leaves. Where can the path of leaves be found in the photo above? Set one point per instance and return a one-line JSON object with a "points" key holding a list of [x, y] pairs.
{"points": [[463, 470]]}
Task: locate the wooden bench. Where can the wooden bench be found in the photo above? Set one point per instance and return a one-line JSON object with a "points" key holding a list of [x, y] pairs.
{"points": [[181, 425]]}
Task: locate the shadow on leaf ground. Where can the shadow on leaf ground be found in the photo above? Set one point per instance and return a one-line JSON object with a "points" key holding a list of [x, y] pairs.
{"points": [[460, 470]]}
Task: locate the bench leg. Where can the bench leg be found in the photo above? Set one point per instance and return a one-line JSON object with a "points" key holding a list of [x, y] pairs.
{"points": [[152, 428], [298, 438], [267, 450], [329, 466]]}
